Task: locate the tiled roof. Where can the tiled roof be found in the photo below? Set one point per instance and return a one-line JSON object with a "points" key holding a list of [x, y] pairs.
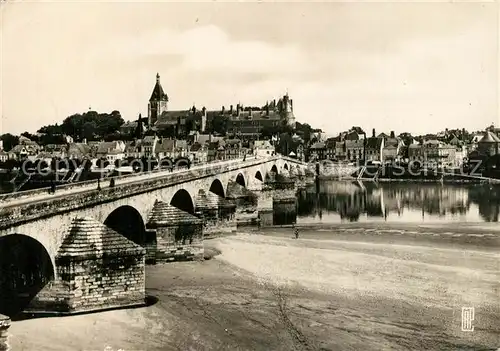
{"points": [[489, 137], [44, 155], [236, 190], [17, 148], [166, 145], [391, 142], [164, 215], [203, 138], [207, 200], [173, 115], [78, 149], [255, 115], [181, 144], [318, 145], [158, 93], [107, 146], [263, 144], [89, 238], [374, 143], [354, 143], [195, 147]]}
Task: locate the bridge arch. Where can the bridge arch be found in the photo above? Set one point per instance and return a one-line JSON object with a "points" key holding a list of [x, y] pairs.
{"points": [[217, 188], [26, 267], [127, 221], [258, 175], [183, 201], [240, 179], [274, 169]]}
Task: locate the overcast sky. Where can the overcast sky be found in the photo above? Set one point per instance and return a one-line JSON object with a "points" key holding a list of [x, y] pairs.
{"points": [[417, 67]]}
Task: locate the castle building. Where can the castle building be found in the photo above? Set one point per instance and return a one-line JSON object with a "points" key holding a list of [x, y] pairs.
{"points": [[242, 122]]}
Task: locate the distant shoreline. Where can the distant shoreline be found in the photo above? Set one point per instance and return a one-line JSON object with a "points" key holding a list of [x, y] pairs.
{"points": [[418, 180]]}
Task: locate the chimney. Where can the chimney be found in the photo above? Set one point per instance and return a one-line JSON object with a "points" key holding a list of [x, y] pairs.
{"points": [[393, 135], [267, 108], [223, 109], [238, 109], [231, 109], [373, 132]]}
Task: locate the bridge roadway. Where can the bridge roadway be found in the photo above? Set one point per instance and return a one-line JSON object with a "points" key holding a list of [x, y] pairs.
{"points": [[23, 207], [40, 195]]}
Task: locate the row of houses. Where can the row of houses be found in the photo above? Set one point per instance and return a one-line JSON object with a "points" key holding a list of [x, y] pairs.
{"points": [[354, 146], [202, 148]]}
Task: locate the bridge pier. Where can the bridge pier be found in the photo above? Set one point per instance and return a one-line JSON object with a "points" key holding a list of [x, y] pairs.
{"points": [[217, 214], [97, 269], [179, 234], [207, 204], [227, 215], [254, 184], [265, 208]]}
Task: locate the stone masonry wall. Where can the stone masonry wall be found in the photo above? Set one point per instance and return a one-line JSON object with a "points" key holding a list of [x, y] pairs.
{"points": [[170, 249], [4, 326], [150, 246], [101, 283]]}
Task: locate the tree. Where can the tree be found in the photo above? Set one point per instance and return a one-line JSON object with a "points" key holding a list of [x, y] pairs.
{"points": [[219, 124], [91, 125], [30, 136], [9, 141]]}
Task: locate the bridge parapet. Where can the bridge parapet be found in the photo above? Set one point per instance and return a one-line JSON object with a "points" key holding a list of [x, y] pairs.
{"points": [[38, 194], [17, 212]]}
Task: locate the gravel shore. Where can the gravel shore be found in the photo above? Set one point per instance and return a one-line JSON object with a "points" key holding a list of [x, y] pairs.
{"points": [[335, 288]]}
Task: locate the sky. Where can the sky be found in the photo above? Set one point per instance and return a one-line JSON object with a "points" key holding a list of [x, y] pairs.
{"points": [[403, 67]]}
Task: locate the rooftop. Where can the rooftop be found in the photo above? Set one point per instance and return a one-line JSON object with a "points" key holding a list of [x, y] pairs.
{"points": [[89, 237], [165, 215]]}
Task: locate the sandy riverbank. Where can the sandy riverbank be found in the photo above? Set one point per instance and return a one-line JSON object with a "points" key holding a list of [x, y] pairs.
{"points": [[329, 290]]}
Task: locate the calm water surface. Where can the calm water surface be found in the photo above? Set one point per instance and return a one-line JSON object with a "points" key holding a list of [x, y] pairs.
{"points": [[337, 201]]}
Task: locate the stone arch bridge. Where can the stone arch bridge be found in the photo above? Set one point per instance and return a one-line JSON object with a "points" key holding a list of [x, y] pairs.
{"points": [[41, 220]]}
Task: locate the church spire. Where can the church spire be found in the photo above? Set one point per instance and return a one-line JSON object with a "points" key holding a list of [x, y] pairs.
{"points": [[158, 93]]}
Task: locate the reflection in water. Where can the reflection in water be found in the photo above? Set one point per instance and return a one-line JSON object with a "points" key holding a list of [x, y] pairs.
{"points": [[284, 213], [355, 201]]}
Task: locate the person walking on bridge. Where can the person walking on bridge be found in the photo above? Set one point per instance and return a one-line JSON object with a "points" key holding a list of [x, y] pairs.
{"points": [[295, 231]]}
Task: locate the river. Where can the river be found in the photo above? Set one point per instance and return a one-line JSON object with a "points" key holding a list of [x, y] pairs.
{"points": [[347, 201]]}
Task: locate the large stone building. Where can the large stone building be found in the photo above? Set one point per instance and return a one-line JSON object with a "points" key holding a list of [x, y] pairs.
{"points": [[241, 122]]}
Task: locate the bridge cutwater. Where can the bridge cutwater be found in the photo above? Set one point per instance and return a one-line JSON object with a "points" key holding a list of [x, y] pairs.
{"points": [[84, 247]]}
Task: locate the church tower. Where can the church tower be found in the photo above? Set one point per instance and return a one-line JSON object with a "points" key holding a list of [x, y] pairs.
{"points": [[286, 110], [158, 102]]}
